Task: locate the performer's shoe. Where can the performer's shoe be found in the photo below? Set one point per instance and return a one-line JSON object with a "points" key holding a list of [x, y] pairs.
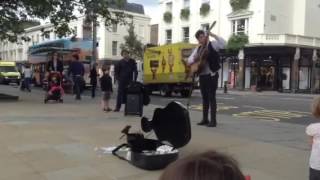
{"points": [[203, 123], [212, 124]]}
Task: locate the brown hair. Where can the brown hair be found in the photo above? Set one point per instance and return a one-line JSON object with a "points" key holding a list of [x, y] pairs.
{"points": [[105, 68], [316, 107], [210, 165]]}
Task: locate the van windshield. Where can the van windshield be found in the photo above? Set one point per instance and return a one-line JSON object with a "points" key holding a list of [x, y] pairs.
{"points": [[8, 69]]}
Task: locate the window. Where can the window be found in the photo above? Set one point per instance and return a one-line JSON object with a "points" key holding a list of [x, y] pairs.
{"points": [[75, 28], [240, 26], [186, 3], [169, 6], [185, 32], [38, 38], [169, 36], [32, 39], [114, 48], [114, 27], [205, 27]]}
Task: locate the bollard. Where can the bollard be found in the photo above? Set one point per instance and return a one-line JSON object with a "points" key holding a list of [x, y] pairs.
{"points": [[225, 87]]}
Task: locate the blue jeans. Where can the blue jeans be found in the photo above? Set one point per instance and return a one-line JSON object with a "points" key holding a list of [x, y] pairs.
{"points": [[27, 82], [77, 80]]}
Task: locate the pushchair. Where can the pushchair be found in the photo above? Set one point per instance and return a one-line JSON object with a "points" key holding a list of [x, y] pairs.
{"points": [[54, 88]]}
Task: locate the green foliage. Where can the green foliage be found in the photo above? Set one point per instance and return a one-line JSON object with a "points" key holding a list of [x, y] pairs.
{"points": [[133, 44], [167, 17], [239, 4], [185, 13], [204, 9], [237, 42], [13, 14]]}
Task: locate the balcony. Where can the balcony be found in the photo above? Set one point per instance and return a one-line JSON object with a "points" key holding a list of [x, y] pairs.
{"points": [[285, 39]]}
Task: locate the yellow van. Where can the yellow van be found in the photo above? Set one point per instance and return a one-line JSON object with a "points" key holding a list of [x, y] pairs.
{"points": [[9, 73], [165, 69]]}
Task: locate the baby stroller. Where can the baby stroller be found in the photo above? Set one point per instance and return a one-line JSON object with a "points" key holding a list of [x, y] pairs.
{"points": [[54, 88]]}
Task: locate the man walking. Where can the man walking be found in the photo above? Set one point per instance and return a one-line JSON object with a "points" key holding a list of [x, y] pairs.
{"points": [[208, 73], [125, 72], [76, 68]]}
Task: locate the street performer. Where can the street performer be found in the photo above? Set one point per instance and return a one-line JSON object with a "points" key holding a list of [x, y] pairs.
{"points": [[205, 62]]}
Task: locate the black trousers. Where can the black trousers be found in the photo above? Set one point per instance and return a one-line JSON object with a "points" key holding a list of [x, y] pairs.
{"points": [[93, 89], [208, 87], [121, 96], [314, 174]]}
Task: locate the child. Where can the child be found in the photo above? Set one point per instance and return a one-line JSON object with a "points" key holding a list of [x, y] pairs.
{"points": [[106, 87], [313, 130], [209, 165]]}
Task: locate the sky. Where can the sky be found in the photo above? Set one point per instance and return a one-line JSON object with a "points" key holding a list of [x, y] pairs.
{"points": [[151, 8]]}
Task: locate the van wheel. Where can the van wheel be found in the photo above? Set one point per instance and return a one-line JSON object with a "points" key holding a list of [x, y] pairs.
{"points": [[165, 91], [185, 93]]}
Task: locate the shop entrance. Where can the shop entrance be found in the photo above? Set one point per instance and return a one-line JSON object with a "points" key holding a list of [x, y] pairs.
{"points": [[267, 77]]}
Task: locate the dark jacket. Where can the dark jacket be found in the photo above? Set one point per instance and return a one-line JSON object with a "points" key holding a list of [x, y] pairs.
{"points": [[93, 76], [106, 83], [50, 66], [76, 68], [126, 71], [213, 59]]}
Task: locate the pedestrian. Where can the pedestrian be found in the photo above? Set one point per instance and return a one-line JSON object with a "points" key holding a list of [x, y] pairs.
{"points": [[55, 64], [76, 69], [313, 131], [93, 79], [208, 53], [106, 88], [125, 72], [210, 165], [27, 74]]}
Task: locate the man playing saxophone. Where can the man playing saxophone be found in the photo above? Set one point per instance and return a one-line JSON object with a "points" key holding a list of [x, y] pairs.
{"points": [[205, 62]]}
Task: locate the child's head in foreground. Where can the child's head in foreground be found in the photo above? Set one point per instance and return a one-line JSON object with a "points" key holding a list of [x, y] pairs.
{"points": [[210, 165]]}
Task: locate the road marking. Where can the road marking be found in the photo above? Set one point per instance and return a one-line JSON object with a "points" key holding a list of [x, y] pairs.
{"points": [[296, 99], [220, 107], [273, 115], [226, 98], [255, 107]]}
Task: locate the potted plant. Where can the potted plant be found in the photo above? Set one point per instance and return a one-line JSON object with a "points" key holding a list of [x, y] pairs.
{"points": [[204, 9], [237, 42], [167, 17], [185, 13]]}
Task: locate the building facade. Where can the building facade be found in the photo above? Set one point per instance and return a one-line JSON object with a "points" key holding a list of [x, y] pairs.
{"points": [[109, 39], [284, 40]]}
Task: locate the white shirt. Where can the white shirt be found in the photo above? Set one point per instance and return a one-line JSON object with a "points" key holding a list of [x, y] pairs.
{"points": [[217, 44], [314, 131], [27, 72]]}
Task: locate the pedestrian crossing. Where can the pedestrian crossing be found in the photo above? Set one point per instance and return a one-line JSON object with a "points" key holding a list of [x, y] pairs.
{"points": [[220, 107], [259, 113], [271, 115]]}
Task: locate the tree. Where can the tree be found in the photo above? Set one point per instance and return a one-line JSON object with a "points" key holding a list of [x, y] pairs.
{"points": [[14, 14], [132, 44]]}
